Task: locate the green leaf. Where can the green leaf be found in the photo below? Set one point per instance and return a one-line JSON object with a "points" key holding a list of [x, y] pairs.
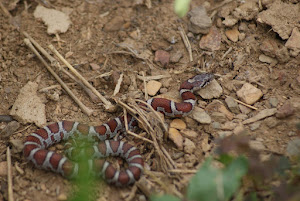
{"points": [[203, 185], [233, 174], [225, 159], [181, 7], [164, 198]]}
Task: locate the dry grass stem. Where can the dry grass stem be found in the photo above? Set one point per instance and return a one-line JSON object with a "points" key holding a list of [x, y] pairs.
{"points": [[145, 86], [107, 104], [245, 104], [118, 85], [186, 42], [183, 171], [9, 176], [155, 77], [226, 53], [85, 109]]}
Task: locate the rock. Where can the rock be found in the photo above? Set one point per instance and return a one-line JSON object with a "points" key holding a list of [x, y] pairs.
{"points": [[257, 145], [294, 40], [153, 87], [17, 145], [136, 34], [212, 40], [232, 34], [239, 129], [277, 17], [94, 66], [212, 90], [189, 133], [255, 125], [216, 125], [232, 105], [269, 47], [273, 102], [229, 125], [266, 59], [163, 57], [57, 21], [205, 144], [62, 197], [3, 168], [247, 10], [244, 109], [201, 116], [178, 124], [114, 24], [285, 110], [224, 134], [176, 137], [229, 21], [249, 93], [189, 146], [242, 36], [271, 122], [217, 106], [218, 117], [283, 55], [293, 148], [200, 22], [9, 129], [261, 115], [28, 108], [176, 57]]}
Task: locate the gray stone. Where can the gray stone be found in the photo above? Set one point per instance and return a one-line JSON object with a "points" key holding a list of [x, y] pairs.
{"points": [[212, 90], [201, 116], [232, 105], [255, 125], [200, 22], [273, 102]]}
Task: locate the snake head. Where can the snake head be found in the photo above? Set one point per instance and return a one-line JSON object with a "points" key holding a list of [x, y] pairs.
{"points": [[201, 80]]}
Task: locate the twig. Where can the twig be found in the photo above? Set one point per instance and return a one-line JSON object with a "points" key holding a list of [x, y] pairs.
{"points": [[182, 171], [226, 53], [245, 104], [118, 85], [155, 77], [145, 86], [9, 175], [5, 11], [108, 106], [186, 42], [85, 109]]}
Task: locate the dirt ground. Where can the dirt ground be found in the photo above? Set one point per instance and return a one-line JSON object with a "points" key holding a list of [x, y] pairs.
{"points": [[92, 46]]}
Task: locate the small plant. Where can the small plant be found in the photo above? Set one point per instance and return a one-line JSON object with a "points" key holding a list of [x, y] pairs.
{"points": [[181, 7], [212, 184]]}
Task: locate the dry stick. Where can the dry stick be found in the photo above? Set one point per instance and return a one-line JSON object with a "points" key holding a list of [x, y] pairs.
{"points": [[252, 107], [155, 77], [5, 11], [183, 171], [108, 106], [85, 109], [54, 62], [145, 86], [226, 53], [118, 85], [186, 42], [9, 175]]}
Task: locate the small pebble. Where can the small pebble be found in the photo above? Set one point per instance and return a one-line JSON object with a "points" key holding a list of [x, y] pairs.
{"points": [[216, 125], [266, 59], [218, 117], [232, 34], [257, 145], [176, 57], [62, 197], [189, 133], [255, 125], [201, 116], [163, 57], [232, 105], [153, 87], [200, 22], [224, 134], [273, 102], [176, 137], [249, 94], [285, 110], [178, 124], [189, 146], [212, 90], [211, 41], [239, 129]]}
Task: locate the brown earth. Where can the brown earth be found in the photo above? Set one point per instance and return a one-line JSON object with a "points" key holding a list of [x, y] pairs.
{"points": [[93, 38]]}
